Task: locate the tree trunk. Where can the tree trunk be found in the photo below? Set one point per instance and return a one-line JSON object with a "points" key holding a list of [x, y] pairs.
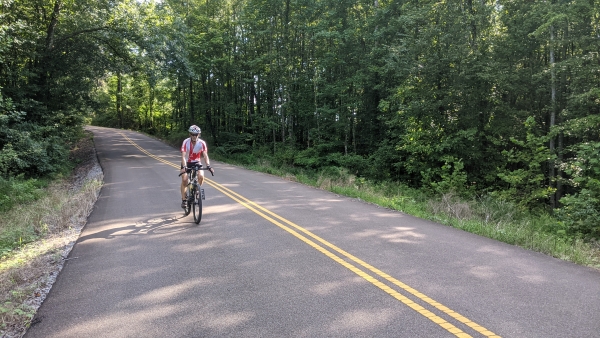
{"points": [[191, 101], [551, 162], [119, 98], [52, 25], [281, 111], [151, 109], [44, 67], [251, 101]]}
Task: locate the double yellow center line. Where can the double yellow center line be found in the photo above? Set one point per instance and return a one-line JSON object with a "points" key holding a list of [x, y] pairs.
{"points": [[328, 250]]}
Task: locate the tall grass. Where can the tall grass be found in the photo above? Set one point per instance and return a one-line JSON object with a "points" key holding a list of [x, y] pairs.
{"points": [[34, 235]]}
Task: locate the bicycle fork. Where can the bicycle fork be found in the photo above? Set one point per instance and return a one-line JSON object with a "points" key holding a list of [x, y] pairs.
{"points": [[200, 189]]}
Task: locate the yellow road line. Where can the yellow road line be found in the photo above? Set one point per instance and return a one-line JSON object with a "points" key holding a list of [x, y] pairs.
{"points": [[263, 212], [146, 152], [376, 271]]}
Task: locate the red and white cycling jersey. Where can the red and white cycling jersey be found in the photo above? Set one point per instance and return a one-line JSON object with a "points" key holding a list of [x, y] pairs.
{"points": [[196, 153]]}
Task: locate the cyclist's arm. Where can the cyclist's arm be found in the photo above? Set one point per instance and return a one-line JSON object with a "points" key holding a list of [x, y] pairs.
{"points": [[183, 160], [206, 160], [184, 155]]}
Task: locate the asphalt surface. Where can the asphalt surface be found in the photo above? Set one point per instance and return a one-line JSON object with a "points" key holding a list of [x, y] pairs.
{"points": [[274, 258]]}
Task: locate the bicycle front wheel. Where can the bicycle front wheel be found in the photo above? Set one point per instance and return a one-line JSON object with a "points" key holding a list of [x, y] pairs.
{"points": [[188, 205], [197, 205]]}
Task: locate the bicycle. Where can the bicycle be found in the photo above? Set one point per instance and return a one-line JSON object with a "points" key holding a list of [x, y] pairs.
{"points": [[194, 193]]}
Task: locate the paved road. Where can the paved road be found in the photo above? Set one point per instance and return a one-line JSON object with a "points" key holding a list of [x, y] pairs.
{"points": [[273, 258]]}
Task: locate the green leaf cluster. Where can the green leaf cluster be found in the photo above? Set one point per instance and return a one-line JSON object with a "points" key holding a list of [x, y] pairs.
{"points": [[580, 211]]}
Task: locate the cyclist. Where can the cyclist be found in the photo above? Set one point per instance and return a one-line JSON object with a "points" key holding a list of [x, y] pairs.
{"points": [[193, 150]]}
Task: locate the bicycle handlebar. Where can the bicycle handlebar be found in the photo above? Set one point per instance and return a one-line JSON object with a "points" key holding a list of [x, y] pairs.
{"points": [[198, 167]]}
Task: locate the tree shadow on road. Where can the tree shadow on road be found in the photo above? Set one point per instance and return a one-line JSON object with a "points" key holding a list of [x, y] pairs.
{"points": [[155, 225]]}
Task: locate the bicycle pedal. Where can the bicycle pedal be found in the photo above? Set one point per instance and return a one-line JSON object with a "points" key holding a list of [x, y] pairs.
{"points": [[202, 193]]}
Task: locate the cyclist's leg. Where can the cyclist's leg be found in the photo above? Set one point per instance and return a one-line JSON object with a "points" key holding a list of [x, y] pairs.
{"points": [[200, 177], [184, 184]]}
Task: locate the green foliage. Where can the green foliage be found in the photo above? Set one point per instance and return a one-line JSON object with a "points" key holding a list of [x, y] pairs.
{"points": [[18, 190], [385, 164], [452, 177], [355, 164], [51, 60], [580, 211], [308, 158], [30, 149], [284, 156], [176, 137], [232, 143], [527, 179]]}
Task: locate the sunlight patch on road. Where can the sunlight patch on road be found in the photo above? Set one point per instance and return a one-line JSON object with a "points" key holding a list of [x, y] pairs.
{"points": [[359, 320], [483, 272], [223, 209], [170, 292]]}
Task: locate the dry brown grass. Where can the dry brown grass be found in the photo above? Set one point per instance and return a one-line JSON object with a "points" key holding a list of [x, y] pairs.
{"points": [[451, 205], [290, 177], [27, 274], [328, 183]]}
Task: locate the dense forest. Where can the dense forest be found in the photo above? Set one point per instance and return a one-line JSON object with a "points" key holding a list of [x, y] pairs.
{"points": [[494, 97]]}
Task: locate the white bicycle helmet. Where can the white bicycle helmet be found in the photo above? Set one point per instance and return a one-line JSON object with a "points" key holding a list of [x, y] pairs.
{"points": [[194, 129]]}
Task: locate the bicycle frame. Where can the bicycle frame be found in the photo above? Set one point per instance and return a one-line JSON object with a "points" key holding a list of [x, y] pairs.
{"points": [[194, 193]]}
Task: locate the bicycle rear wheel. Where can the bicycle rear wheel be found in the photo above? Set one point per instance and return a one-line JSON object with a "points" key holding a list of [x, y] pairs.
{"points": [[197, 205]]}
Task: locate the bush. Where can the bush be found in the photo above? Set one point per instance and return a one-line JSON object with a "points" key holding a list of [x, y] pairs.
{"points": [[18, 190], [308, 158], [32, 149], [580, 212], [175, 138], [234, 143], [356, 164], [386, 163], [284, 156], [24, 152], [525, 173], [451, 177]]}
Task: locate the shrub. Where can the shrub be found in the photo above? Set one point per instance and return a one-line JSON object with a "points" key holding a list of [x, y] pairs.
{"points": [[32, 149], [284, 156], [356, 164], [308, 158], [525, 173], [451, 177], [580, 212], [234, 143], [18, 190]]}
